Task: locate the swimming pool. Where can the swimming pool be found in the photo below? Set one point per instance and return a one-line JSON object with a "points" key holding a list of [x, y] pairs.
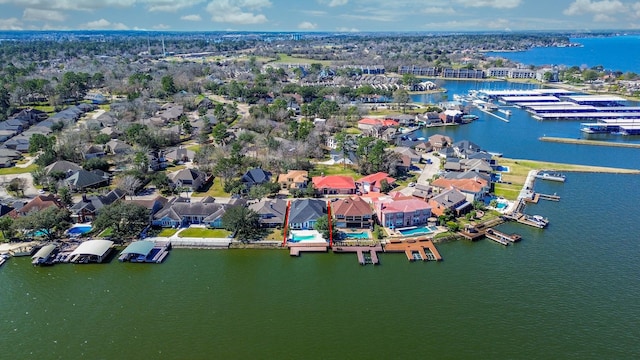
{"points": [[355, 235], [502, 168], [421, 230], [79, 230], [501, 205]]}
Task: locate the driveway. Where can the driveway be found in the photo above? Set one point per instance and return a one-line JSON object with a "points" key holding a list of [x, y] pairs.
{"points": [[29, 192], [429, 169]]}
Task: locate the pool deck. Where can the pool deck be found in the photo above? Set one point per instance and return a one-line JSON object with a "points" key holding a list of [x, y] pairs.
{"points": [[415, 245], [360, 252]]}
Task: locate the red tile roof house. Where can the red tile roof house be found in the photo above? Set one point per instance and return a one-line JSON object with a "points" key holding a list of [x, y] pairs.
{"points": [[368, 124], [353, 212], [373, 182], [402, 211], [473, 189], [334, 185]]}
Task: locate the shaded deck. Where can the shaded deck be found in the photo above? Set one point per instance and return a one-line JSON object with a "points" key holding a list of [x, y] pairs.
{"points": [[366, 254], [414, 249]]}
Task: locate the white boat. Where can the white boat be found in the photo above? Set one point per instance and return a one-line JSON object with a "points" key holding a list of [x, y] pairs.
{"points": [[3, 259], [551, 177], [506, 112]]}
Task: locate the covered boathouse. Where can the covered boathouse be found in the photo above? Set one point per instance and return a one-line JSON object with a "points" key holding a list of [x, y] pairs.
{"points": [[91, 251], [145, 251], [43, 256]]}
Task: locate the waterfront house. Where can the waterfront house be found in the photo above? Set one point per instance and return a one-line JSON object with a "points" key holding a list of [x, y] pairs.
{"points": [[334, 185], [254, 177], [304, 213], [191, 179], [474, 189], [82, 179], [438, 141], [38, 203], [464, 148], [352, 212], [369, 124], [88, 207], [373, 182], [451, 199], [271, 212], [423, 147], [152, 205], [180, 212], [294, 179], [400, 211]]}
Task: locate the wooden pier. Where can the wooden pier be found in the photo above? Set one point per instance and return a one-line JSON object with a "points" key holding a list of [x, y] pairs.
{"points": [[553, 197], [297, 248], [366, 254], [414, 248], [500, 237]]}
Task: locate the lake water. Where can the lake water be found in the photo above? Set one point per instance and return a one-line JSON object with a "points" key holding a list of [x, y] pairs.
{"points": [[620, 53], [569, 292]]}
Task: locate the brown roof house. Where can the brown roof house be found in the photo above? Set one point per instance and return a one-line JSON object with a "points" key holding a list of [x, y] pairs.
{"points": [[38, 203], [352, 212], [188, 178], [294, 179]]}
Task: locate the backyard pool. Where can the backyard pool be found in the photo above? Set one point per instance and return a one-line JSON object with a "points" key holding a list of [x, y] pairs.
{"points": [[79, 230], [355, 235], [306, 236], [502, 168], [422, 230]]}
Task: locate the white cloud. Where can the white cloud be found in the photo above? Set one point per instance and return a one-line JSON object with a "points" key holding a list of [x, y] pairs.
{"points": [[104, 24], [334, 3], [306, 25], [170, 5], [314, 12], [235, 11], [346, 29], [606, 7], [636, 8], [438, 11], [10, 24], [69, 4], [193, 17], [42, 15], [498, 4]]}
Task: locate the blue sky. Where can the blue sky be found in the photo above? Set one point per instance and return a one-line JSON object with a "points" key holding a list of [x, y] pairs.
{"points": [[320, 15]]}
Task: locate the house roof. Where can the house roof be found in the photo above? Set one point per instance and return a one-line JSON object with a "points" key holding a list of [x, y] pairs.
{"points": [[186, 174], [298, 176], [476, 164], [402, 205], [256, 176], [376, 179], [353, 206], [449, 198], [275, 210], [467, 185], [333, 182], [379, 122], [62, 166], [176, 209], [466, 175], [179, 154], [149, 203], [97, 202], [93, 247], [38, 203], [304, 210], [83, 178], [440, 139]]}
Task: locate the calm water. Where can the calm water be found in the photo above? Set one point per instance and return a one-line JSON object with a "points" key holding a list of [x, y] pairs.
{"points": [[620, 53], [569, 291]]}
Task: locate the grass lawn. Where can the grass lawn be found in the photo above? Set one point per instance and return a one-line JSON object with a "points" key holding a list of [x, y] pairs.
{"points": [[204, 233], [18, 170], [167, 232], [275, 235], [353, 131], [337, 169], [194, 147], [284, 58], [215, 189], [106, 232]]}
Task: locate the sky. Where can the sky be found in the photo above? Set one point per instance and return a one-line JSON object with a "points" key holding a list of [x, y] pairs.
{"points": [[320, 15]]}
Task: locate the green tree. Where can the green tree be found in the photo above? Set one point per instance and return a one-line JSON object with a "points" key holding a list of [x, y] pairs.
{"points": [[49, 222], [127, 220], [168, 85], [6, 223], [65, 196], [242, 221], [322, 226], [401, 96], [5, 103], [38, 142], [409, 80]]}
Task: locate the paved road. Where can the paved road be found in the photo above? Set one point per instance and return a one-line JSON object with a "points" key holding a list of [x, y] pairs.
{"points": [[429, 169]]}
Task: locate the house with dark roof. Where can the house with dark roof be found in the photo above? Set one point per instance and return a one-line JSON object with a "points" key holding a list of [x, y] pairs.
{"points": [[400, 211], [352, 212], [304, 213], [439, 141], [179, 212], [82, 179], [88, 207], [38, 203], [62, 166], [118, 147], [450, 199], [271, 212], [373, 182], [192, 179], [180, 154], [334, 185], [254, 177], [152, 205], [464, 148]]}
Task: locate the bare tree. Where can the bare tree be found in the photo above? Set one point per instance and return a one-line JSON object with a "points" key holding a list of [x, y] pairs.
{"points": [[129, 184]]}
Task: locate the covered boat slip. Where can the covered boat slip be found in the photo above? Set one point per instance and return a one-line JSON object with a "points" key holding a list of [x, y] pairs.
{"points": [[145, 251], [44, 255], [91, 251]]}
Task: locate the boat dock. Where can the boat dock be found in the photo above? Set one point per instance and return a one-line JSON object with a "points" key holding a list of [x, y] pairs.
{"points": [[500, 237], [366, 254], [415, 248], [531, 220], [492, 114], [296, 248], [538, 196]]}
